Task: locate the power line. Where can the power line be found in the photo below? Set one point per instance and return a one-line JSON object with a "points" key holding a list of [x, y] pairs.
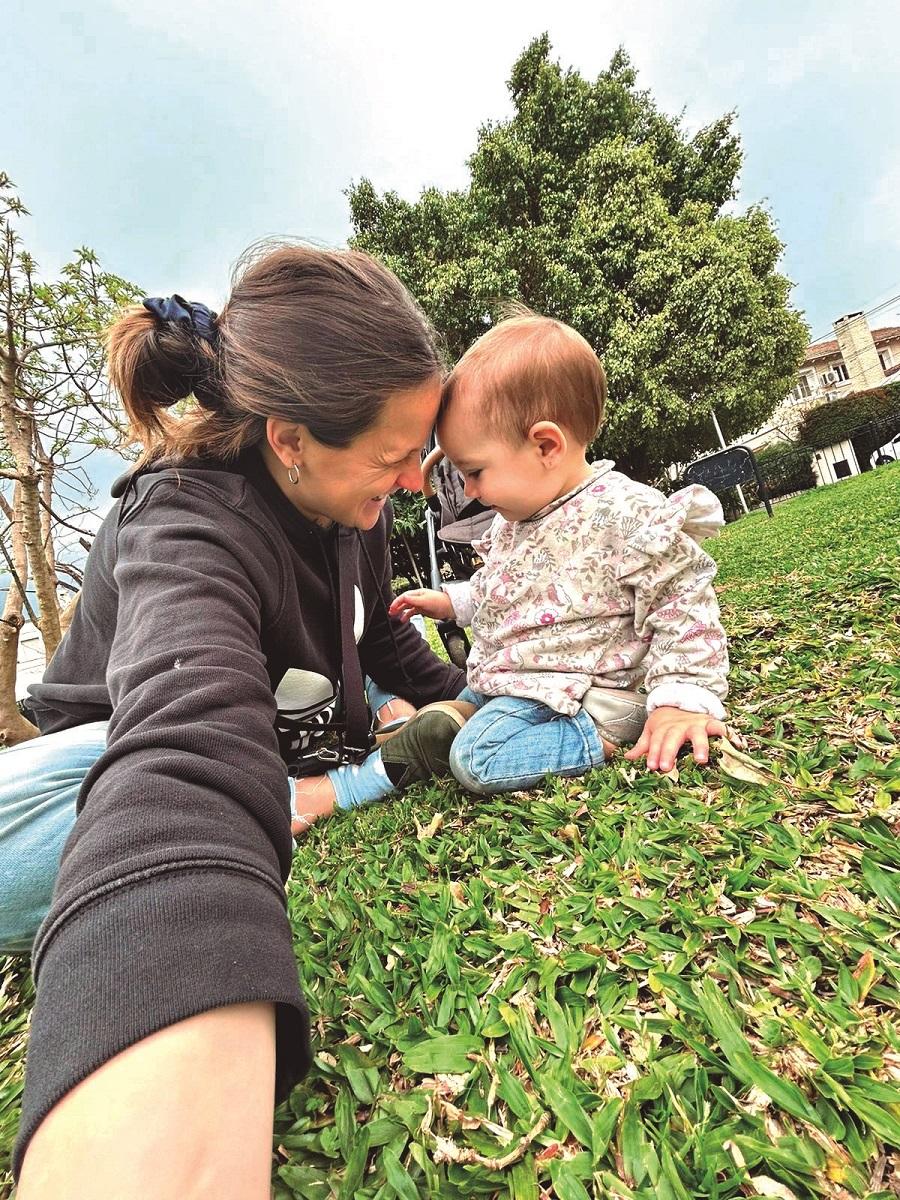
{"points": [[868, 313], [852, 359]]}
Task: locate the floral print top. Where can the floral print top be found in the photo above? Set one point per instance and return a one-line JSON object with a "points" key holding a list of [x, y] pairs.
{"points": [[605, 587]]}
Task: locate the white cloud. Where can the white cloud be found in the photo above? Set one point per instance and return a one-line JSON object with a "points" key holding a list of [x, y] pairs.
{"points": [[839, 41], [399, 90]]}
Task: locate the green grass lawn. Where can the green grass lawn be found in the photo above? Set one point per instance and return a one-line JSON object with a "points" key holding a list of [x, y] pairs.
{"points": [[627, 986]]}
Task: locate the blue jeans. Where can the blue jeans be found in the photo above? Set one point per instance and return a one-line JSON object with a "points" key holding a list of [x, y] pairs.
{"points": [[510, 744], [39, 785]]}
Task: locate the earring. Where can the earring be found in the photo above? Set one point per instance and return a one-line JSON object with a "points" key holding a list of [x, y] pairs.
{"points": [[293, 474]]}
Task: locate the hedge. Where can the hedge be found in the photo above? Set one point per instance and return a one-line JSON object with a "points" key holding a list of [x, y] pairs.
{"points": [[786, 468], [847, 416]]}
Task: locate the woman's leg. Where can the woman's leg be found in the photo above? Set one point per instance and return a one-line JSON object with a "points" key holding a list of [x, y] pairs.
{"points": [[39, 784], [416, 752], [388, 711], [318, 796], [511, 744]]}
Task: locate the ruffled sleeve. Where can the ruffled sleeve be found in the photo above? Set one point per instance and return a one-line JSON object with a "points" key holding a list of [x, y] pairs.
{"points": [[675, 606]]}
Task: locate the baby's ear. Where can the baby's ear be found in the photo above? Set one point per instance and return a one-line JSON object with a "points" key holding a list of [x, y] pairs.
{"points": [[549, 439]]}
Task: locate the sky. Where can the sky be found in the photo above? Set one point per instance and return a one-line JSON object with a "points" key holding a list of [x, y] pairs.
{"points": [[169, 136]]}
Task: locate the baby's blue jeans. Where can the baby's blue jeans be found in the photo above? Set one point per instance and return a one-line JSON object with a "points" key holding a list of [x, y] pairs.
{"points": [[511, 744]]}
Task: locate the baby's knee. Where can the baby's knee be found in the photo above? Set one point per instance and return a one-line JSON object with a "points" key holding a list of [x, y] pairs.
{"points": [[467, 766]]}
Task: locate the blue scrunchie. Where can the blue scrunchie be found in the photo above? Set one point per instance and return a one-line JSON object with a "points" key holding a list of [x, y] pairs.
{"points": [[175, 308]]}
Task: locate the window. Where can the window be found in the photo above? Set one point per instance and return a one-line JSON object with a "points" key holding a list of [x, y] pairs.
{"points": [[885, 356], [802, 390], [835, 373]]}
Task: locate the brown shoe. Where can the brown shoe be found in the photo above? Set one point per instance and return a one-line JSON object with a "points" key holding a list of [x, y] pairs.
{"points": [[421, 748]]}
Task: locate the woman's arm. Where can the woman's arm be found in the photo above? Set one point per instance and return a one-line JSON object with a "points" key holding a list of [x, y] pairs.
{"points": [[170, 898], [184, 1113], [396, 657]]}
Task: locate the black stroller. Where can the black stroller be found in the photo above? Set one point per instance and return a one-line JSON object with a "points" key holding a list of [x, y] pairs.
{"points": [[452, 523]]}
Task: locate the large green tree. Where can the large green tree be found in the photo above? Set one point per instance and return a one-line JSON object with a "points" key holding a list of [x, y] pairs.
{"points": [[594, 207]]}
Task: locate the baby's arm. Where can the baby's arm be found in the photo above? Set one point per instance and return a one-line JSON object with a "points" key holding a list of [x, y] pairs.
{"points": [[687, 659], [424, 601]]}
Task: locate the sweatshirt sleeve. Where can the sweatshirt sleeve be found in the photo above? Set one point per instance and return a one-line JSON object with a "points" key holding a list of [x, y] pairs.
{"points": [[397, 657], [676, 610], [170, 897]]}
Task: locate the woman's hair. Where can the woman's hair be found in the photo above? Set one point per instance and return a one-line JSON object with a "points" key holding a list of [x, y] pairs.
{"points": [[318, 337], [530, 368]]}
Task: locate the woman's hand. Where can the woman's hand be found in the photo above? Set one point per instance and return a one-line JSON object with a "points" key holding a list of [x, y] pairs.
{"points": [[425, 602], [667, 730]]}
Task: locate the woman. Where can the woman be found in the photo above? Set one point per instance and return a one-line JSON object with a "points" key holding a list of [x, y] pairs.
{"points": [[233, 600]]}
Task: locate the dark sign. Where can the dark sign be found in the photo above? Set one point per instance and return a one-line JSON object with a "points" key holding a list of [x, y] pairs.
{"points": [[727, 469]]}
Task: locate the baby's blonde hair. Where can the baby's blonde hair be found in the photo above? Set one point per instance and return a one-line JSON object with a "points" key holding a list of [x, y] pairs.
{"points": [[529, 368]]}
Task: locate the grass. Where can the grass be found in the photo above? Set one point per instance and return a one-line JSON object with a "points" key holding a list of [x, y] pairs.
{"points": [[627, 986]]}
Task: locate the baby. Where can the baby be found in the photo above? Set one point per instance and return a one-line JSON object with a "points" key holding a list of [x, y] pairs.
{"points": [[593, 585]]}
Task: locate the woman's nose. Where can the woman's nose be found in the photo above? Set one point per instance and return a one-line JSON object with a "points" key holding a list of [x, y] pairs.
{"points": [[410, 478]]}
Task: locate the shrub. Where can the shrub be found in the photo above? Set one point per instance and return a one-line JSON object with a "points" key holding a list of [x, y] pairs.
{"points": [[867, 419], [785, 468]]}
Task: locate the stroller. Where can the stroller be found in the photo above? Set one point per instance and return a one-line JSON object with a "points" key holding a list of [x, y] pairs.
{"points": [[454, 522]]}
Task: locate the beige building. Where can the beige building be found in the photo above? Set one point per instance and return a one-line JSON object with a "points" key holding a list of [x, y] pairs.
{"points": [[855, 359]]}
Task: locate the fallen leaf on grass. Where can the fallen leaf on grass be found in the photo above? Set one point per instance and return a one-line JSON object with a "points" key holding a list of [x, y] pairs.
{"points": [[737, 765], [428, 831], [771, 1187], [551, 1151]]}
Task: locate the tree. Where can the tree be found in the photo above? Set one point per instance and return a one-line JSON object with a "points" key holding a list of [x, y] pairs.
{"points": [[55, 407], [594, 207]]}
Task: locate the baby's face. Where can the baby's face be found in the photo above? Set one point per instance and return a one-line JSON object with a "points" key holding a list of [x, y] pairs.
{"points": [[506, 476]]}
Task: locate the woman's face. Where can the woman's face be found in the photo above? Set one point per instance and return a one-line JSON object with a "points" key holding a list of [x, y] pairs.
{"points": [[351, 485]]}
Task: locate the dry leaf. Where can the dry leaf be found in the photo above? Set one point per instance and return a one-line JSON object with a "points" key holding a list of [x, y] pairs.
{"points": [[429, 830], [735, 1152], [771, 1187], [737, 765], [573, 866], [747, 917], [552, 1151]]}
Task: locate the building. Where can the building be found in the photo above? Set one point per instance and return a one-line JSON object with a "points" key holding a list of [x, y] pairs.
{"points": [[855, 359], [31, 660]]}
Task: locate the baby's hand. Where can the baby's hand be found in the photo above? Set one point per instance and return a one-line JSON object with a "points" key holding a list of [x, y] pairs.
{"points": [[425, 601], [667, 730]]}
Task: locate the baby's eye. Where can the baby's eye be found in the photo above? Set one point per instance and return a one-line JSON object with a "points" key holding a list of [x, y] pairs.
{"points": [[473, 474]]}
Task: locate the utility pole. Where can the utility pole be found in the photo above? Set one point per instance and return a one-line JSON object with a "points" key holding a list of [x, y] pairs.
{"points": [[724, 447]]}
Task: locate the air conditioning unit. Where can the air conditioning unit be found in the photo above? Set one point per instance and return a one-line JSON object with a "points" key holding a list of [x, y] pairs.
{"points": [[829, 377]]}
